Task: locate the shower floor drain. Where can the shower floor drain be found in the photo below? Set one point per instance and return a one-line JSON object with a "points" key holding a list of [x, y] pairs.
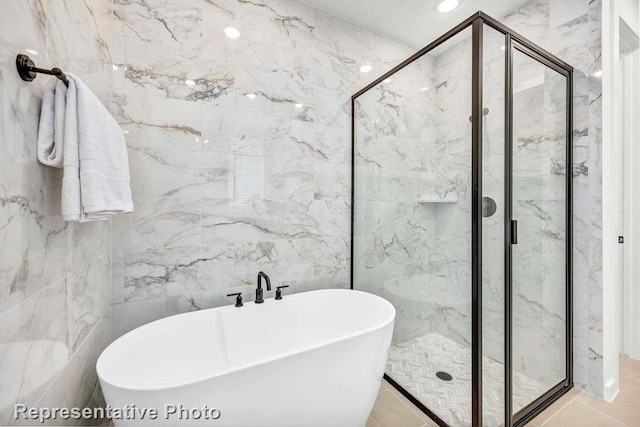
{"points": [[444, 376]]}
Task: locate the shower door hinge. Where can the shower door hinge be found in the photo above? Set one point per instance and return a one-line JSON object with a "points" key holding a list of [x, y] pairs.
{"points": [[514, 232]]}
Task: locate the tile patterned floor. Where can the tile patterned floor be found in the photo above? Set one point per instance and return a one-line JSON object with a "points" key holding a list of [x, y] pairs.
{"points": [[414, 364], [574, 409]]}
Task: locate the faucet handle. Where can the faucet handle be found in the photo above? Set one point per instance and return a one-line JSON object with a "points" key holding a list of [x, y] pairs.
{"points": [[279, 292], [238, 296]]}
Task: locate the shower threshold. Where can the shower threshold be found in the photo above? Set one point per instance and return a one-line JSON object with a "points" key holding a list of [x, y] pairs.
{"points": [[419, 364]]}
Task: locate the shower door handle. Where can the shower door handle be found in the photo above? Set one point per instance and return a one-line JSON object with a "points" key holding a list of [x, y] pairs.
{"points": [[514, 232]]}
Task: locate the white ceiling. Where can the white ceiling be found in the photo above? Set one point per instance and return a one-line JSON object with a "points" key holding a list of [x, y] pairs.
{"points": [[412, 22]]}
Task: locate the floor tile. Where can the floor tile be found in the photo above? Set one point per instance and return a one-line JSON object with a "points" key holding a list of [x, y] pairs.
{"points": [[578, 415], [389, 411], [629, 369], [555, 407], [624, 408], [371, 423]]}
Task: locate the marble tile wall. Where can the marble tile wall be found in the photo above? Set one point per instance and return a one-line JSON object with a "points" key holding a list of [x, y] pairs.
{"points": [[239, 149], [55, 289]]}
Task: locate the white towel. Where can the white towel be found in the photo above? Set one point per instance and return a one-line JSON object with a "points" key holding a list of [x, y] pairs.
{"points": [[96, 168], [51, 129]]}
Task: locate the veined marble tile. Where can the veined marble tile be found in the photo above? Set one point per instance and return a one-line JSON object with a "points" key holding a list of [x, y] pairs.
{"points": [[331, 181], [89, 298], [374, 183], [285, 179], [257, 177], [282, 259], [384, 217], [80, 33], [76, 383], [319, 104], [278, 17], [28, 18], [318, 142], [229, 221], [335, 215], [22, 215], [33, 347], [161, 21], [186, 75], [341, 38], [158, 123], [387, 119], [158, 223], [24, 27], [117, 276], [283, 94], [262, 92], [20, 124], [339, 280], [117, 50], [303, 58], [393, 249], [329, 255], [158, 273], [226, 130], [392, 153], [389, 52], [57, 262], [88, 241], [452, 76], [181, 174]]}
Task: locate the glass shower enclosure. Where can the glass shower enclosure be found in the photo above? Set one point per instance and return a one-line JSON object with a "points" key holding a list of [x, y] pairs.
{"points": [[461, 218]]}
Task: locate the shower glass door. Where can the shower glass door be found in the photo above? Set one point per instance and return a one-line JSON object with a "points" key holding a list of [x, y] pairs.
{"points": [[452, 149], [539, 205], [412, 222]]}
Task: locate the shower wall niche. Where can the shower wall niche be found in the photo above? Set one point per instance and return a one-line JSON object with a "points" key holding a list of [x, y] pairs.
{"points": [[461, 220]]}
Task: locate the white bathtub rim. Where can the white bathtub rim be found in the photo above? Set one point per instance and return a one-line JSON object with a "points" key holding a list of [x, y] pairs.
{"points": [[252, 364]]}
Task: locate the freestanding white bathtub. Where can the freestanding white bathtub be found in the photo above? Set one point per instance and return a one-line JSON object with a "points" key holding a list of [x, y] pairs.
{"points": [[310, 359]]}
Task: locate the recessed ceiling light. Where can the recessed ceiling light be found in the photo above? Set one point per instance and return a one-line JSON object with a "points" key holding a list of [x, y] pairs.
{"points": [[251, 95], [232, 32], [366, 68], [298, 105], [189, 82], [386, 81], [424, 89], [446, 6], [597, 73]]}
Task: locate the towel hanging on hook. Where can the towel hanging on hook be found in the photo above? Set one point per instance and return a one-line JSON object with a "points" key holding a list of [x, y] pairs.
{"points": [[27, 70]]}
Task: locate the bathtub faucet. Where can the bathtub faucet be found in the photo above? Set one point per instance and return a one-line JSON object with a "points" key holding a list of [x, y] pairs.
{"points": [[259, 291]]}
